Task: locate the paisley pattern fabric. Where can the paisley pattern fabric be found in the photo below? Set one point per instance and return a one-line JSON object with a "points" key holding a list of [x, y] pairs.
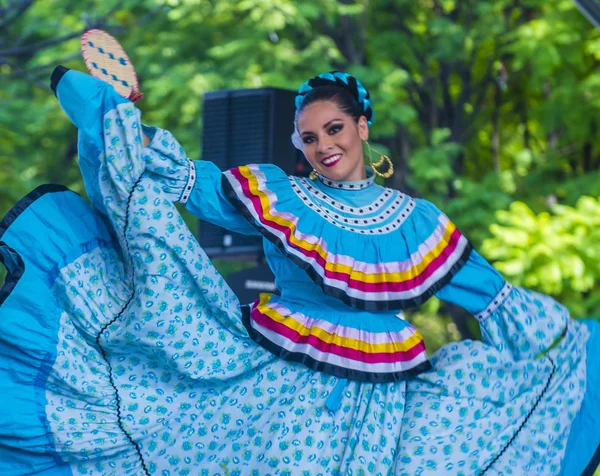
{"points": [[131, 357]]}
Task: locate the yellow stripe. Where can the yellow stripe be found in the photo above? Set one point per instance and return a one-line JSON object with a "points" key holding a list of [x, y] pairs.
{"points": [[353, 274], [329, 338]]}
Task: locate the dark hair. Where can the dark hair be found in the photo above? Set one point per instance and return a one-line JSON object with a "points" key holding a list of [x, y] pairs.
{"points": [[335, 81], [340, 96]]}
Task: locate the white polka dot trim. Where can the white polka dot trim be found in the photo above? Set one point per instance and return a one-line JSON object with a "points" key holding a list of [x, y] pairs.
{"points": [[358, 185], [385, 215], [189, 186], [496, 302]]}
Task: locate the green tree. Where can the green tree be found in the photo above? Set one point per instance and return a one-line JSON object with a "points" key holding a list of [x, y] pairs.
{"points": [[474, 100], [557, 253]]}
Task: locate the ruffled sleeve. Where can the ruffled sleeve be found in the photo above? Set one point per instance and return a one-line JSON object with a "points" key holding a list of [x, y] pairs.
{"points": [[110, 168], [167, 164], [209, 202], [523, 323], [517, 321], [195, 184]]}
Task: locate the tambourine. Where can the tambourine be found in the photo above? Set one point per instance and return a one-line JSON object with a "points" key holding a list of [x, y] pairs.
{"points": [[106, 59]]}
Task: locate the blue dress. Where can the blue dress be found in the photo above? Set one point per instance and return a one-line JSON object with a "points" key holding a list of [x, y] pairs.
{"points": [[123, 351]]}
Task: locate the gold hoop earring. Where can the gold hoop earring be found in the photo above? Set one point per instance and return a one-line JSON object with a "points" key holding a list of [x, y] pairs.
{"points": [[313, 175], [382, 158]]}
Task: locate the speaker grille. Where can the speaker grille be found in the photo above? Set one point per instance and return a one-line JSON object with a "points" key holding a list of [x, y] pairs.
{"points": [[216, 133], [250, 129], [241, 127]]}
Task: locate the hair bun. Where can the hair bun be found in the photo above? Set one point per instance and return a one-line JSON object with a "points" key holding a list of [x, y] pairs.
{"points": [[342, 80]]}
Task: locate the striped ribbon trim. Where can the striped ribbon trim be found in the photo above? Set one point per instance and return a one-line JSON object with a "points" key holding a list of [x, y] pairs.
{"points": [[336, 349], [377, 286]]}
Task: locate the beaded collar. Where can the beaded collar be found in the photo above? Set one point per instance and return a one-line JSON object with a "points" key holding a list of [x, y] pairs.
{"points": [[350, 185]]}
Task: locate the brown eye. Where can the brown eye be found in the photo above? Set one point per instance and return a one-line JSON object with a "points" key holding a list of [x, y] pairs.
{"points": [[308, 139], [335, 129]]}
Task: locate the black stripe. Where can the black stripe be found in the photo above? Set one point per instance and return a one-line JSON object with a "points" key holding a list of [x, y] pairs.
{"points": [[523, 423], [357, 303], [27, 200], [56, 76], [114, 319], [335, 370], [593, 465], [15, 273]]}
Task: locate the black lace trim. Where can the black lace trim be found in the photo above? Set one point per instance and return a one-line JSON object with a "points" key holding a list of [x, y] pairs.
{"points": [[120, 313], [16, 269], [522, 425], [594, 463], [26, 201], [56, 76]]}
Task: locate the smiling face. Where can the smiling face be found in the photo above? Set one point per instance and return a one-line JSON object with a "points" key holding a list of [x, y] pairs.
{"points": [[332, 141]]}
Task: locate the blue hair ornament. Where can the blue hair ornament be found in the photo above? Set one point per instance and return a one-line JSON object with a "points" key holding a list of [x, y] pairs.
{"points": [[343, 80]]}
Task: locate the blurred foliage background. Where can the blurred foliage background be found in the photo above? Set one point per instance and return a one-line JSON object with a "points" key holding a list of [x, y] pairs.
{"points": [[489, 109]]}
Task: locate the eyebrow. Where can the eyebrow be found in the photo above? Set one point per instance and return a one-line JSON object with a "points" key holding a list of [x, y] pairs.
{"points": [[324, 125]]}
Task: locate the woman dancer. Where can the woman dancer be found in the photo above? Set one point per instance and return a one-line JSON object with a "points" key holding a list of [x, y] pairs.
{"points": [[124, 352]]}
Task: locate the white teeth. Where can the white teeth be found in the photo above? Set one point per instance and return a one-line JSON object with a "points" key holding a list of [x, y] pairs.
{"points": [[331, 159]]}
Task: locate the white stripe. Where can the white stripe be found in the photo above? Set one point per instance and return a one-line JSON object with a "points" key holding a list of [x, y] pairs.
{"points": [[333, 359], [368, 268], [495, 303], [344, 331], [416, 291]]}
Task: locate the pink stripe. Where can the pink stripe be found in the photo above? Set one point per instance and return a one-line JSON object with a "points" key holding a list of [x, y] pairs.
{"points": [[327, 348], [352, 283], [395, 286], [343, 331]]}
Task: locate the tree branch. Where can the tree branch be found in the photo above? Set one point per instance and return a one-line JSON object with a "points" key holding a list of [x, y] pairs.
{"points": [[446, 98], [25, 50], [425, 111], [33, 48], [465, 95], [26, 75], [481, 89], [7, 16], [43, 68], [411, 43]]}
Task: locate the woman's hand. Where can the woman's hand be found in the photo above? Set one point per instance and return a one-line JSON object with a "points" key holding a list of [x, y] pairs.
{"points": [[145, 139]]}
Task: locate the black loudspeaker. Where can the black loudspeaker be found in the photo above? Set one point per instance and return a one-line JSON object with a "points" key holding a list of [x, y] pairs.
{"points": [[591, 9], [247, 126], [249, 283]]}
